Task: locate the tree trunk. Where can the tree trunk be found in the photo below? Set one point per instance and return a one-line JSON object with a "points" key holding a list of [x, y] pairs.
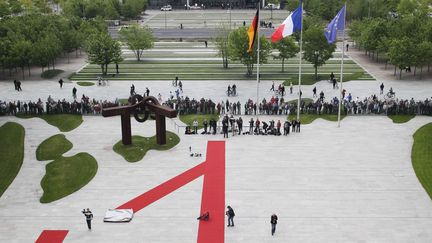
{"points": [[53, 63], [106, 68], [386, 62], [68, 57], [394, 74], [102, 68], [377, 58], [28, 65], [415, 70], [22, 69], [421, 71], [316, 73], [400, 73], [117, 68]]}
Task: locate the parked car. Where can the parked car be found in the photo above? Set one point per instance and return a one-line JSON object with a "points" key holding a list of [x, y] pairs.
{"points": [[272, 6], [194, 7], [166, 8]]}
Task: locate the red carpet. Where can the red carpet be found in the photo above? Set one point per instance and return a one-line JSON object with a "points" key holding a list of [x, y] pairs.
{"points": [[164, 189], [52, 236], [213, 195]]}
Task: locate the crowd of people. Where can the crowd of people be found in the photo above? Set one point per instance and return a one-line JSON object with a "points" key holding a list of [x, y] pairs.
{"points": [[85, 106], [235, 126]]}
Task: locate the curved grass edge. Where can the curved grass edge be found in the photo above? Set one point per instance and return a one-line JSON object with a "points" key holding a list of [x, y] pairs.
{"points": [[53, 147], [11, 153], [140, 145], [189, 118], [64, 122], [421, 156], [398, 119], [67, 175], [309, 118], [84, 83]]}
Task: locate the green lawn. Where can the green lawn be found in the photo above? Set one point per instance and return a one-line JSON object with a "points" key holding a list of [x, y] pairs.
{"points": [[306, 100], [85, 83], [53, 147], [140, 145], [188, 119], [421, 156], [11, 153], [309, 118], [48, 74], [401, 118], [64, 122], [66, 175]]}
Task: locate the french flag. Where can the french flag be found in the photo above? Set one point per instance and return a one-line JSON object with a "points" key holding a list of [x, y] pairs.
{"points": [[291, 24]]}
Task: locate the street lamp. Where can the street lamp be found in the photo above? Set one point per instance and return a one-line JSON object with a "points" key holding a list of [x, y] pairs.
{"points": [[229, 9], [316, 64], [165, 15], [271, 11]]}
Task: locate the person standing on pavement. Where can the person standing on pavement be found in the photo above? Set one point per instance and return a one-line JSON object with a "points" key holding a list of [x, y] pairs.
{"points": [[382, 88], [251, 125], [61, 83], [273, 222], [195, 126], [89, 216], [230, 213], [74, 91]]}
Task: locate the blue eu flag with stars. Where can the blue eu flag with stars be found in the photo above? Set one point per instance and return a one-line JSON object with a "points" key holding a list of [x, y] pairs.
{"points": [[338, 23]]}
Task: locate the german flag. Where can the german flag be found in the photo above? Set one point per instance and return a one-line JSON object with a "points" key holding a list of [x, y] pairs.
{"points": [[252, 31]]}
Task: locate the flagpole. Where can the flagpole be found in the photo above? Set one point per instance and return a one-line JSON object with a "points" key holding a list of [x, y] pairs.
{"points": [[258, 56], [300, 64], [341, 72]]}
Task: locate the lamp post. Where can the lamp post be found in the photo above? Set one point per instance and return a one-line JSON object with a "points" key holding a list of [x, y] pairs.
{"points": [[229, 9], [315, 64], [271, 11]]}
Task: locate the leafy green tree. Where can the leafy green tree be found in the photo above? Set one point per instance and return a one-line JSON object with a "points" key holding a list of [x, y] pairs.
{"points": [[238, 44], [102, 50], [21, 53], [133, 8], [138, 39], [316, 49], [287, 49], [4, 8], [401, 53], [221, 40], [423, 55]]}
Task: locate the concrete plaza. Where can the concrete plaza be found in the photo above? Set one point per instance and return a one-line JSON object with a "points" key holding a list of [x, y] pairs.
{"points": [[326, 184]]}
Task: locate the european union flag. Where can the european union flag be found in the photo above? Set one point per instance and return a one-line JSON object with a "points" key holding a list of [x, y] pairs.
{"points": [[338, 23]]}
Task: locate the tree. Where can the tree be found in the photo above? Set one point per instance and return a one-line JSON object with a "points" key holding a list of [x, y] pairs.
{"points": [[137, 38], [221, 40], [401, 53], [287, 49], [21, 53], [316, 49], [133, 8], [102, 50], [238, 44]]}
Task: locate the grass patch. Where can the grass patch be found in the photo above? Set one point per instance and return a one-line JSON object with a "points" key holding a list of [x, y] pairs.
{"points": [[123, 101], [85, 83], [188, 119], [401, 118], [421, 156], [309, 79], [64, 122], [140, 145], [66, 175], [309, 118], [53, 147], [11, 153], [51, 73], [306, 100]]}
